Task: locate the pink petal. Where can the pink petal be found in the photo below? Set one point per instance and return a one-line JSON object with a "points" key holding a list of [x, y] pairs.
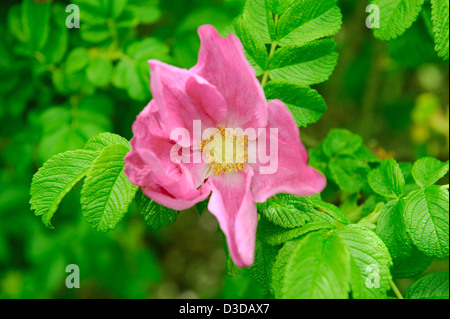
{"points": [[293, 175], [199, 171], [183, 97], [141, 175], [232, 204], [149, 164], [137, 171], [162, 197], [222, 63]]}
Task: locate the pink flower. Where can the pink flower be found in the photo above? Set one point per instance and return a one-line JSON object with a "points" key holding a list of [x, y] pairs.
{"points": [[223, 92]]}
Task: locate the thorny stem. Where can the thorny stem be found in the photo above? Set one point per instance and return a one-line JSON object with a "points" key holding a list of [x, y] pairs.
{"points": [[273, 46], [395, 289]]}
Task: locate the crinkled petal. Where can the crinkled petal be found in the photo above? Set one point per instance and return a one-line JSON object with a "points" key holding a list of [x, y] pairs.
{"points": [[199, 170], [232, 203], [293, 175], [184, 97], [141, 175], [222, 63], [162, 197], [149, 162]]}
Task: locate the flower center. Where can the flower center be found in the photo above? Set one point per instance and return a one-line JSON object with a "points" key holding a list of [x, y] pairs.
{"points": [[225, 150]]}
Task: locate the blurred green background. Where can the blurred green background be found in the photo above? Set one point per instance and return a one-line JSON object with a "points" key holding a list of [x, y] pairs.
{"points": [[60, 86]]}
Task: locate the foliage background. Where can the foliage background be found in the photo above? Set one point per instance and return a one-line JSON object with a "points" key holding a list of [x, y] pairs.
{"points": [[58, 87]]}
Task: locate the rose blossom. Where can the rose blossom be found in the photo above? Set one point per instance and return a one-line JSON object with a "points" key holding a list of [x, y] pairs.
{"points": [[222, 92]]}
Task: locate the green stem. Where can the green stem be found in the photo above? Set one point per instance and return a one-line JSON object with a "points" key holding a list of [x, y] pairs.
{"points": [[273, 46], [74, 101], [395, 289], [39, 57], [266, 73], [114, 34], [372, 90]]}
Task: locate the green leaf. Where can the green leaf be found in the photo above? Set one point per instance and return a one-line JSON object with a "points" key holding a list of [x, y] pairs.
{"points": [[428, 170], [431, 286], [94, 33], [289, 211], [102, 140], [122, 74], [341, 142], [410, 266], [116, 7], [149, 48], [155, 215], [99, 71], [91, 123], [65, 130], [101, 19], [387, 180], [396, 16], [305, 104], [325, 272], [265, 256], [15, 24], [138, 88], [127, 75], [371, 258], [350, 174], [391, 229], [107, 192], [35, 22], [405, 51], [55, 179], [58, 141], [440, 13], [72, 83], [275, 235], [309, 64], [330, 209], [77, 60], [232, 269], [278, 6], [132, 73], [53, 118], [92, 11], [426, 220], [255, 14], [254, 47], [308, 20], [98, 103], [372, 205], [278, 268], [147, 11], [55, 50], [317, 158], [202, 206], [95, 12]]}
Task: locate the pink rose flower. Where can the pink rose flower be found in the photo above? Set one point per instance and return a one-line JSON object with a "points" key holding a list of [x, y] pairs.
{"points": [[222, 92]]}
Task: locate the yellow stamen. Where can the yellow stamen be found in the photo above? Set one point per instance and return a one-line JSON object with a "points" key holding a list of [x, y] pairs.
{"points": [[225, 151]]}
